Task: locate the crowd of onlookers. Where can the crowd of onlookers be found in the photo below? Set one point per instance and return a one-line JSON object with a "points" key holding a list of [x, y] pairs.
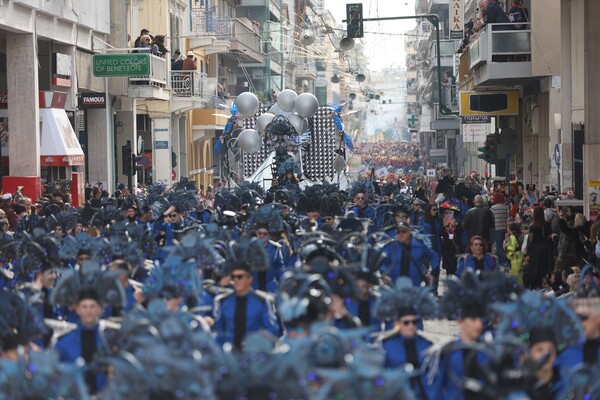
{"points": [[397, 155], [515, 17]]}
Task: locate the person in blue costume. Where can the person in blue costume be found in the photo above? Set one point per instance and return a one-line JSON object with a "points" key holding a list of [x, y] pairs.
{"points": [[363, 306], [543, 352], [343, 292], [267, 280], [477, 259], [416, 213], [124, 270], [453, 370], [407, 256], [202, 214], [244, 310], [588, 352], [406, 305], [400, 215], [361, 208], [85, 340], [431, 225]]}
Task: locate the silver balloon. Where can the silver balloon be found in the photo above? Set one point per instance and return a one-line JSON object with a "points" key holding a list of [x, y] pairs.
{"points": [[286, 99], [307, 105], [300, 124], [307, 37], [264, 120], [247, 103], [275, 110], [249, 141]]}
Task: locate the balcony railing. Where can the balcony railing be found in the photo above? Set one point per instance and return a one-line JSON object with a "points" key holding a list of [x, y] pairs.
{"points": [[496, 43], [499, 55], [206, 23], [246, 36], [158, 73], [189, 84]]}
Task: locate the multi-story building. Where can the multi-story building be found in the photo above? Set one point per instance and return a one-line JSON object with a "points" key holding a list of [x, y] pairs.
{"points": [[45, 71], [514, 75]]}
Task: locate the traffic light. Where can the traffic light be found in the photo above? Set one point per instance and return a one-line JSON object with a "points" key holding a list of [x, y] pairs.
{"points": [[127, 159], [354, 20], [488, 150]]}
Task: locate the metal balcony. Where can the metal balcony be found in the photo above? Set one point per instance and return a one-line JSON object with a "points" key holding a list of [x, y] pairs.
{"points": [[498, 57], [246, 41], [189, 90], [210, 32], [447, 48], [188, 84], [152, 86]]}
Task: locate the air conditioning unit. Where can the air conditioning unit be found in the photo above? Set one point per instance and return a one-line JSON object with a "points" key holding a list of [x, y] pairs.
{"points": [[223, 72]]}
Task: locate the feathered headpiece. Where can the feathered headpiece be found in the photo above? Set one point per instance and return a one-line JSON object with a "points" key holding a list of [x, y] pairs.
{"points": [[365, 186], [302, 296], [175, 277], [534, 317], [41, 376], [89, 281], [19, 323], [463, 297], [249, 254], [405, 299]]}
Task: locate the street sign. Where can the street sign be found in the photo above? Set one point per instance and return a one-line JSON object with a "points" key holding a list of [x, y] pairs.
{"points": [[114, 65], [438, 156], [457, 17], [412, 121]]}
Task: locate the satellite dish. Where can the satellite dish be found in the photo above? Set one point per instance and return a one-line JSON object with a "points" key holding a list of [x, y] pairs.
{"points": [[346, 44], [335, 79], [360, 77], [140, 145]]}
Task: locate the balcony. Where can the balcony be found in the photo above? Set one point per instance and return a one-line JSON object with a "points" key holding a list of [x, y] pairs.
{"points": [[450, 100], [446, 53], [246, 41], [305, 70], [188, 90], [211, 32], [498, 57], [153, 86]]}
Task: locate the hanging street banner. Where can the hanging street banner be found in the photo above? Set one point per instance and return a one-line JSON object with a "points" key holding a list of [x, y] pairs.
{"points": [[457, 19]]}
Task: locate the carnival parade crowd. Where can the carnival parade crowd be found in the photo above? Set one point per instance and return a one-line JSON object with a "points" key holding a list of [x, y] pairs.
{"points": [[237, 293], [396, 156]]}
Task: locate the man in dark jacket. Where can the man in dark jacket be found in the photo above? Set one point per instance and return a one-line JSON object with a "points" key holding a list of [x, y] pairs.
{"points": [[479, 221]]}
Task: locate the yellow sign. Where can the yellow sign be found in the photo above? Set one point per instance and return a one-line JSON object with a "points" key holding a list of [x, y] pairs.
{"points": [[495, 103], [594, 198]]}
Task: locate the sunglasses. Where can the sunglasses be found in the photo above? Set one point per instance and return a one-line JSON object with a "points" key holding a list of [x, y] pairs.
{"points": [[410, 322], [238, 276], [402, 231], [173, 215], [360, 198], [582, 317], [434, 209]]}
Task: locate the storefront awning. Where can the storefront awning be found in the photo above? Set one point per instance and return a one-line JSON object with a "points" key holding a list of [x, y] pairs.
{"points": [[59, 145]]}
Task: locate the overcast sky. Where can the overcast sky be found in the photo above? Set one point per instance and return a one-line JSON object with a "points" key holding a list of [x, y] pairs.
{"points": [[384, 40]]}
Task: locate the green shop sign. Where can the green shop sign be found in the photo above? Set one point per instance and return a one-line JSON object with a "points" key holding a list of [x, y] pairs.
{"points": [[106, 65]]}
